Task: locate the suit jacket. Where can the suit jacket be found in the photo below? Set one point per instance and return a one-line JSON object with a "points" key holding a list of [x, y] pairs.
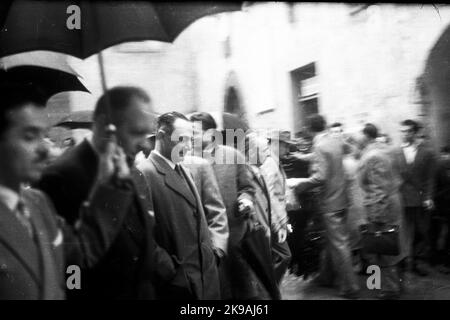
{"points": [[35, 268], [380, 183], [234, 183], [134, 261], [328, 173], [275, 178], [216, 214], [181, 229], [418, 177]]}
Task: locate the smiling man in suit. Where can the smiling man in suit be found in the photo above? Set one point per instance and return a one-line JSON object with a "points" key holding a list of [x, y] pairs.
{"points": [[181, 227], [35, 244]]}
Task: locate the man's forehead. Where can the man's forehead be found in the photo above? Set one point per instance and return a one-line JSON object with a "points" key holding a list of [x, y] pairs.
{"points": [[183, 127], [29, 115]]}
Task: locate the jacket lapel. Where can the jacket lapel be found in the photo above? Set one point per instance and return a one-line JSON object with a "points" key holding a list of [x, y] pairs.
{"points": [[172, 180], [16, 239]]}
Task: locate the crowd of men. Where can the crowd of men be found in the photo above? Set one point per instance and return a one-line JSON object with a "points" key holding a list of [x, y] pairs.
{"points": [[176, 225]]}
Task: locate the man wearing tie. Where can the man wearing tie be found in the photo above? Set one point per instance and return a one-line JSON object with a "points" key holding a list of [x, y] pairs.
{"points": [[35, 244], [181, 227]]}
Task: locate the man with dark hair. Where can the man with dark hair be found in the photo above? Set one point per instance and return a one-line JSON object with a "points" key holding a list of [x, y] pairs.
{"points": [[328, 173], [380, 184], [416, 162], [134, 262], [181, 227], [237, 279], [36, 244]]}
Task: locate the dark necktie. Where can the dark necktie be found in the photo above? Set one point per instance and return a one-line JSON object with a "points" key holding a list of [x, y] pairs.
{"points": [[24, 217]]}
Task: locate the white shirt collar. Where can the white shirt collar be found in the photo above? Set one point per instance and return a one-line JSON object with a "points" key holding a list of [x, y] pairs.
{"points": [[169, 162], [9, 197]]}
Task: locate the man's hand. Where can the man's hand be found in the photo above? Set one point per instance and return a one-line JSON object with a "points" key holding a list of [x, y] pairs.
{"points": [[428, 204], [245, 207], [282, 235], [112, 164]]}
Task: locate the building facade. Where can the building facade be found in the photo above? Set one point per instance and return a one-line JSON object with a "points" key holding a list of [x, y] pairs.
{"points": [[276, 63]]}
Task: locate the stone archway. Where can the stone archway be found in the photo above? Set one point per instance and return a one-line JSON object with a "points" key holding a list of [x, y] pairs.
{"points": [[433, 88]]}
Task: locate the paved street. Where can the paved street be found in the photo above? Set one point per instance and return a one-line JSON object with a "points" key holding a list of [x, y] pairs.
{"points": [[436, 286]]}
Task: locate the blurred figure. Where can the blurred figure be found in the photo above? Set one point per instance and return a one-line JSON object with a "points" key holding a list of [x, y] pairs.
{"points": [[336, 129], [256, 152], [181, 227], [328, 172], [238, 280], [440, 224], [296, 165], [415, 162], [272, 171], [384, 138], [382, 203], [356, 212]]}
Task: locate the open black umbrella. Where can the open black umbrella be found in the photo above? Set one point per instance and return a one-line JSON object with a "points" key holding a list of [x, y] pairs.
{"points": [[28, 25], [81, 119]]}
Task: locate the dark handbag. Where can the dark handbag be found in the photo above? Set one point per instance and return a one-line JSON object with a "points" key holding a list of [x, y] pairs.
{"points": [[257, 252], [380, 239]]}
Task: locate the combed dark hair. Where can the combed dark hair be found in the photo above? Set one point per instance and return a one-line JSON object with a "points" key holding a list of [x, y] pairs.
{"points": [[166, 121], [207, 120], [411, 123], [14, 96], [118, 98], [316, 123], [370, 131]]}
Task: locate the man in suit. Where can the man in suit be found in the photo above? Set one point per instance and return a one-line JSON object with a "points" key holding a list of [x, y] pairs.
{"points": [[416, 162], [216, 214], [134, 263], [238, 281], [181, 227], [35, 244], [271, 169], [328, 172]]}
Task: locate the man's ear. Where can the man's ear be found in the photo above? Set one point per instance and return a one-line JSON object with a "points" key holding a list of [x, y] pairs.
{"points": [[160, 134]]}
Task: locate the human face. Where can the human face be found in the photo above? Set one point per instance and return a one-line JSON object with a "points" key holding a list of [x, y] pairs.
{"points": [[284, 149], [135, 125], [23, 149], [407, 134], [175, 146]]}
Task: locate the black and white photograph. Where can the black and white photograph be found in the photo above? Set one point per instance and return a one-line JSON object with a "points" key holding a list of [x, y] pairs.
{"points": [[235, 152]]}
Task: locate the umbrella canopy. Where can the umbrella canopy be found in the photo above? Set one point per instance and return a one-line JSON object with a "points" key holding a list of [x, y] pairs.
{"points": [[81, 119], [29, 25], [51, 73]]}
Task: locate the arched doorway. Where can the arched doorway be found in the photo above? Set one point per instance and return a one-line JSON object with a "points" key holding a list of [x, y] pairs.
{"points": [[434, 90], [233, 100]]}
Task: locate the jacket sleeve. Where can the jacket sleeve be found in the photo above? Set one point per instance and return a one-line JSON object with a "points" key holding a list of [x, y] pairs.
{"points": [[319, 169], [215, 211], [246, 189]]}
